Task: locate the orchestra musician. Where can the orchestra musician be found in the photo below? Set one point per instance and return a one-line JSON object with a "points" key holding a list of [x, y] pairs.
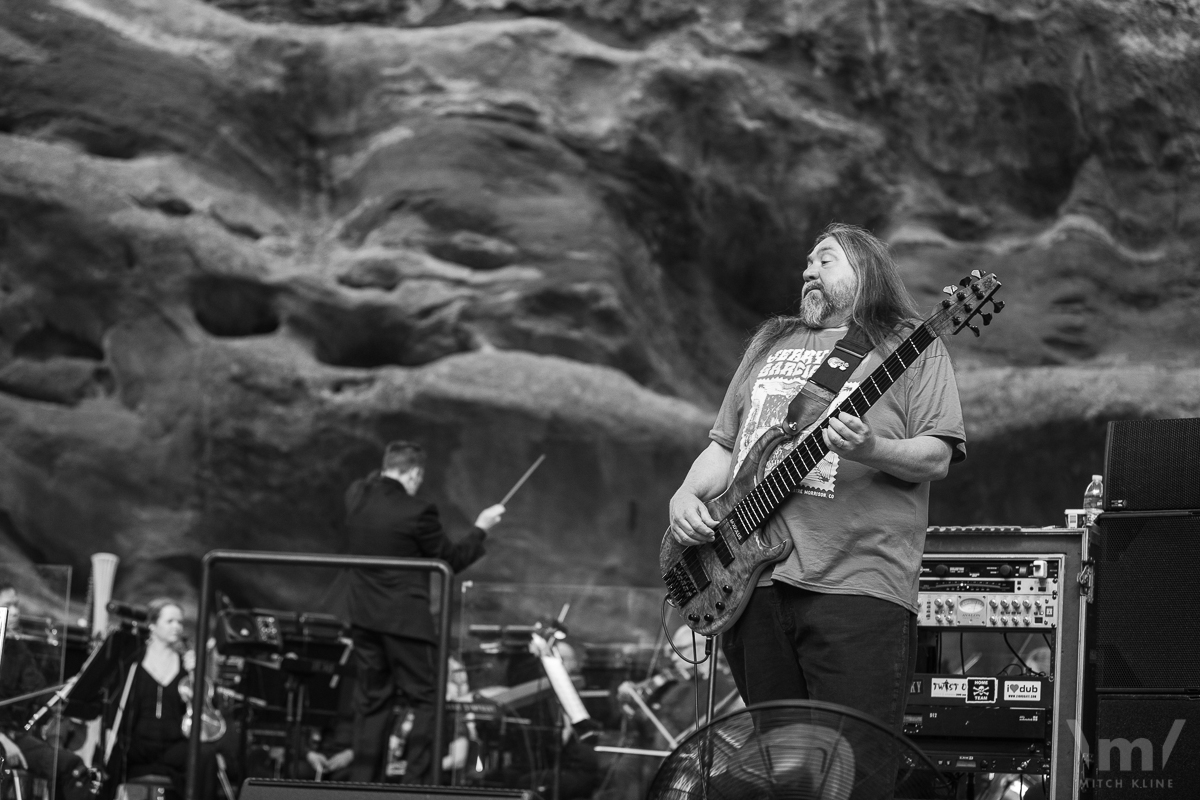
{"points": [[559, 758], [149, 716], [328, 752], [20, 675], [675, 701]]}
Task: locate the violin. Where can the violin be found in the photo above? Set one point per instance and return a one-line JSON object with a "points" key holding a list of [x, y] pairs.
{"points": [[212, 724]]}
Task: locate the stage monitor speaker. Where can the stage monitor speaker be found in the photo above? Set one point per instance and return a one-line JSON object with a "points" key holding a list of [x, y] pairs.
{"points": [[267, 789], [1152, 465], [1146, 747], [1146, 602]]}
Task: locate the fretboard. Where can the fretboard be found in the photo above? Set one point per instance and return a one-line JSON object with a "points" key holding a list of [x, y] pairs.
{"points": [[759, 503]]}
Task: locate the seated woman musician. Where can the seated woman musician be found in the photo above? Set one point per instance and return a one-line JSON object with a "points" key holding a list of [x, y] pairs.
{"points": [[154, 709], [151, 729]]}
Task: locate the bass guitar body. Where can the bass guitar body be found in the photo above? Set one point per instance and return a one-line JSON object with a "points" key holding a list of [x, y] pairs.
{"points": [[711, 583]]}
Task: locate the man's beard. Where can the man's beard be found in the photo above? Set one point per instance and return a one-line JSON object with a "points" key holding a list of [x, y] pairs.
{"points": [[819, 304]]}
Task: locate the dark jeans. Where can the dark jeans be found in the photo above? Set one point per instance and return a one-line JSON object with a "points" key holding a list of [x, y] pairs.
{"points": [[793, 644], [390, 669], [856, 651]]}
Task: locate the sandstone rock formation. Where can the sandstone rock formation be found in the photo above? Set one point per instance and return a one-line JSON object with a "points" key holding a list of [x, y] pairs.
{"points": [[244, 243]]}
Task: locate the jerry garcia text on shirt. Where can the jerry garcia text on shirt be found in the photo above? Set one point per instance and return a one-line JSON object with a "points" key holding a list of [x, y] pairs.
{"points": [[780, 378]]}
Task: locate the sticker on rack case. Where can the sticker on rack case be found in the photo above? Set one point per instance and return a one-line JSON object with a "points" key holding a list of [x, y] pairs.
{"points": [[981, 690], [948, 687], [1029, 691]]}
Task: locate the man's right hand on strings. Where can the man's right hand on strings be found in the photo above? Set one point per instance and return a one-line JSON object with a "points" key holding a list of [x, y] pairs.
{"points": [[690, 521]]}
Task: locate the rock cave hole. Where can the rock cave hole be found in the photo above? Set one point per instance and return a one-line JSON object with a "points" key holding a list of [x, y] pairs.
{"points": [[234, 307], [48, 342], [364, 347]]}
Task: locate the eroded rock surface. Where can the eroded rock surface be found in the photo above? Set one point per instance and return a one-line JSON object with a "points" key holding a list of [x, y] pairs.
{"points": [[244, 243]]}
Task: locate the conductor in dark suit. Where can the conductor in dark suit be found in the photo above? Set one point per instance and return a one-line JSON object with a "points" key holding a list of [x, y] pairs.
{"points": [[394, 639]]}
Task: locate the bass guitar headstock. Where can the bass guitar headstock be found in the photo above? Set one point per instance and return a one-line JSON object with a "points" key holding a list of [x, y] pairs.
{"points": [[965, 302]]}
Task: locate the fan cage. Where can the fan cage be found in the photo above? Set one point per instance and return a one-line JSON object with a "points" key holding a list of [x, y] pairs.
{"points": [[797, 750]]}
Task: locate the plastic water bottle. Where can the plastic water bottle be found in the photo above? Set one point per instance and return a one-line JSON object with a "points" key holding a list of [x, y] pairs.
{"points": [[1093, 499]]}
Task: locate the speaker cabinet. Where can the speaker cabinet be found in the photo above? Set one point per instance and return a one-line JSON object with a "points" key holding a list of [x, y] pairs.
{"points": [[1146, 747], [1147, 603], [1152, 465], [265, 789]]}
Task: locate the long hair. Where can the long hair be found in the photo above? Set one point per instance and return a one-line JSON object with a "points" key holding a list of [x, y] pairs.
{"points": [[882, 305]]}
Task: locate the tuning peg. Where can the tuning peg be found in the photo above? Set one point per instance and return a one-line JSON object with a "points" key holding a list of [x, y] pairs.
{"points": [[997, 306], [976, 274], [949, 289], [974, 330], [965, 281], [956, 321], [987, 318]]}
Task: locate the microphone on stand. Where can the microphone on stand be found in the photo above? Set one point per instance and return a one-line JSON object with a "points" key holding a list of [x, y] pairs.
{"points": [[128, 611]]}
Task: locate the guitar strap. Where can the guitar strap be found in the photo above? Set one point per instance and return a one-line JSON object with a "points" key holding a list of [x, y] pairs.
{"points": [[821, 389]]}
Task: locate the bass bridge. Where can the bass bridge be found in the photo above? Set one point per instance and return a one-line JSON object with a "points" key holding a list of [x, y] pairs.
{"points": [[686, 578]]}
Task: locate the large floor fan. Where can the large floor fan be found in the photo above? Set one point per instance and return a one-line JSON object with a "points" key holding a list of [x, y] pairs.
{"points": [[799, 749]]}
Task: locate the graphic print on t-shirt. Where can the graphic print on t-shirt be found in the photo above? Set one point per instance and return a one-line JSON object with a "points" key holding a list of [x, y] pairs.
{"points": [[780, 378]]}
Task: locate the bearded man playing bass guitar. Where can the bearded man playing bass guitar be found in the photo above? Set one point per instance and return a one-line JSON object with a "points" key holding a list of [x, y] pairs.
{"points": [[835, 621]]}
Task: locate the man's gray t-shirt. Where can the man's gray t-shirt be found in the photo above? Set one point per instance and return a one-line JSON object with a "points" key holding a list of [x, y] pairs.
{"points": [[856, 530]]}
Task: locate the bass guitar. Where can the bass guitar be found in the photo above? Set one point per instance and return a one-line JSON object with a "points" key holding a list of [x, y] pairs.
{"points": [[710, 583]]}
